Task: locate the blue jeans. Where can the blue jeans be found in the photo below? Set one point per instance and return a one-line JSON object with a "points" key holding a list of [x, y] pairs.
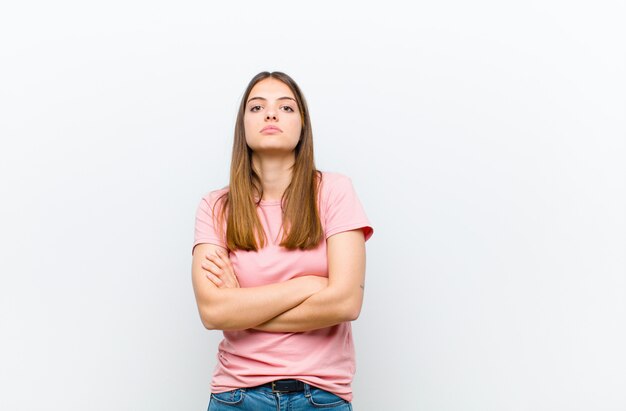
{"points": [[263, 399]]}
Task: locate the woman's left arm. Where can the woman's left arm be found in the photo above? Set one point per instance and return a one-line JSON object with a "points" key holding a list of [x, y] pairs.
{"points": [[341, 300]]}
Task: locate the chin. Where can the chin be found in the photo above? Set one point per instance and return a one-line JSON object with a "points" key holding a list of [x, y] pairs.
{"points": [[274, 149], [269, 145]]}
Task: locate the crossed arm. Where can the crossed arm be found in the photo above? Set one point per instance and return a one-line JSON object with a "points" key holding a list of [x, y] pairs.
{"points": [[301, 304]]}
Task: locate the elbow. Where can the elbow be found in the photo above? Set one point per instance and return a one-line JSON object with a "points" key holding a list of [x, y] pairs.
{"points": [[213, 319], [209, 319], [347, 307], [213, 312], [352, 315], [208, 323], [351, 310]]}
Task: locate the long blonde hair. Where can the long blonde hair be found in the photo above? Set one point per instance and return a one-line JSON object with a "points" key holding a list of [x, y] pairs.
{"points": [[302, 228]]}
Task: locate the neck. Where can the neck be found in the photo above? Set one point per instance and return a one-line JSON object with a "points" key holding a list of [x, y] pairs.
{"points": [[275, 173]]}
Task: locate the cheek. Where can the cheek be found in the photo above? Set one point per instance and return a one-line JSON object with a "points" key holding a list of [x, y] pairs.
{"points": [[248, 126], [246, 120], [296, 127]]}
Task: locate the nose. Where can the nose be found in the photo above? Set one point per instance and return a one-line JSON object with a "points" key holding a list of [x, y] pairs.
{"points": [[271, 115]]}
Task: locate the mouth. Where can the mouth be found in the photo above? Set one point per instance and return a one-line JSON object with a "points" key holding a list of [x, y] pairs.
{"points": [[271, 129]]}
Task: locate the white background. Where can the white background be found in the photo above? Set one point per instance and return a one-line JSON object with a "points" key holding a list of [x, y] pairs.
{"points": [[486, 140]]}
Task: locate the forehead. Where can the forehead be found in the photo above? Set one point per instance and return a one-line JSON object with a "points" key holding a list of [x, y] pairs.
{"points": [[271, 88]]}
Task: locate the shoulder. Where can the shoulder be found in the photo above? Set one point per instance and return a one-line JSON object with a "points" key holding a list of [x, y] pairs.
{"points": [[334, 187], [332, 176], [332, 180], [340, 207], [212, 198]]}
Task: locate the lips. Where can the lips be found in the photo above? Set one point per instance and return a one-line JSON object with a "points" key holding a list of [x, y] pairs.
{"points": [[270, 129]]}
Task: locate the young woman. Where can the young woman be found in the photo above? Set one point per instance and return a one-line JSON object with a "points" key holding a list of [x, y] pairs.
{"points": [[279, 263]]}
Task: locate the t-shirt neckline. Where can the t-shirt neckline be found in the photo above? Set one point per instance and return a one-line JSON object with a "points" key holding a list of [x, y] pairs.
{"points": [[269, 202]]}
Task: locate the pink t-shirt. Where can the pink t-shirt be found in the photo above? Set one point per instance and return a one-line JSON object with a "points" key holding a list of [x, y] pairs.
{"points": [[324, 357]]}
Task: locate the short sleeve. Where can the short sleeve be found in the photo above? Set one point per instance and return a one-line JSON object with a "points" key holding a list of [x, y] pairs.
{"points": [[344, 211], [205, 231]]}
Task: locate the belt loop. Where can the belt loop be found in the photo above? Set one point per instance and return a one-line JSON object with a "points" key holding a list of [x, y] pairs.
{"points": [[307, 390]]}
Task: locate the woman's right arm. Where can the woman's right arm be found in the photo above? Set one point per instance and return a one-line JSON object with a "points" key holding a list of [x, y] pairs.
{"points": [[243, 308]]}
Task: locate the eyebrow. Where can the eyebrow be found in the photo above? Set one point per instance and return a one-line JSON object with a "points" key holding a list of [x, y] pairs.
{"points": [[264, 99]]}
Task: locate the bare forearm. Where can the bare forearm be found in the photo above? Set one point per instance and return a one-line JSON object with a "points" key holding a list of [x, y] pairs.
{"points": [[242, 308], [323, 309]]}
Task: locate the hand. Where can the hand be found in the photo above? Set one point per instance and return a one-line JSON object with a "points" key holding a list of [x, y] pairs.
{"points": [[220, 270]]}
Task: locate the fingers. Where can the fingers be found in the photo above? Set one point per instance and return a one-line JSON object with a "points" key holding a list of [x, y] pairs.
{"points": [[215, 279], [220, 268], [220, 259], [212, 265], [213, 271], [225, 260]]}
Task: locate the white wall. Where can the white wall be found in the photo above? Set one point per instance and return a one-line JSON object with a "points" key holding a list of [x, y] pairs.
{"points": [[485, 139]]}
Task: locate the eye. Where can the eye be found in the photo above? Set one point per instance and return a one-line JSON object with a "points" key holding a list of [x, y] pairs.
{"points": [[288, 109], [255, 108]]}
